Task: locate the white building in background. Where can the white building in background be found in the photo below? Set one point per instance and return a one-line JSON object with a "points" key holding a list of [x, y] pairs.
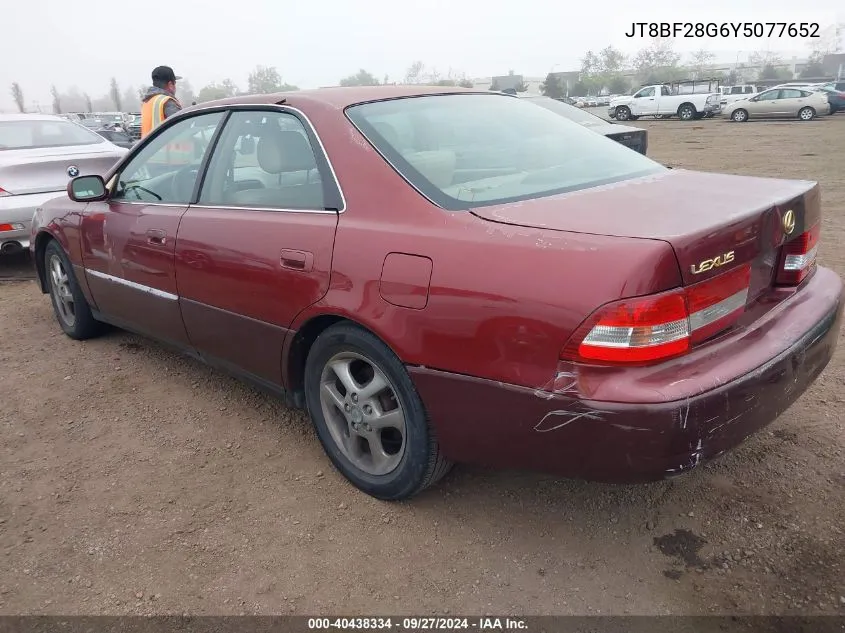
{"points": [[832, 64]]}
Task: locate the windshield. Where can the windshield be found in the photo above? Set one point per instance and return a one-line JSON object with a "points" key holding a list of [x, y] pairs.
{"points": [[44, 133], [571, 112], [470, 150]]}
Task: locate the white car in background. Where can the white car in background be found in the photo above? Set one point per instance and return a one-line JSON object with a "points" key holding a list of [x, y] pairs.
{"points": [[39, 154], [780, 102]]}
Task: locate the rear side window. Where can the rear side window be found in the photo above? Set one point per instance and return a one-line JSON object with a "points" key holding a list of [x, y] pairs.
{"points": [[469, 150], [44, 133], [264, 160]]}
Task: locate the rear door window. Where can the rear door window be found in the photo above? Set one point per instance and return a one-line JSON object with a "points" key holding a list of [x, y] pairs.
{"points": [[265, 160]]}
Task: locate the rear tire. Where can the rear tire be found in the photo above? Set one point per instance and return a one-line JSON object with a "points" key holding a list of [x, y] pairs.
{"points": [[806, 114], [368, 415], [739, 115], [69, 304], [686, 112]]}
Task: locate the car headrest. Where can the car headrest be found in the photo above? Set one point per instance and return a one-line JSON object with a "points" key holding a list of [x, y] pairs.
{"points": [[281, 151], [388, 132], [436, 165]]}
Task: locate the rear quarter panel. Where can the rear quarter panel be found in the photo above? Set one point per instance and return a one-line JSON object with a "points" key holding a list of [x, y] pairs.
{"points": [[502, 301]]}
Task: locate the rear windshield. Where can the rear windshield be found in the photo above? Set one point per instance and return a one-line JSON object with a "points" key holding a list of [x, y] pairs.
{"points": [[44, 133], [470, 150]]}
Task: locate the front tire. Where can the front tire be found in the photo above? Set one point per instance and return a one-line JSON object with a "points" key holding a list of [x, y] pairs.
{"points": [[623, 113], [368, 415], [806, 113], [69, 304], [739, 115]]}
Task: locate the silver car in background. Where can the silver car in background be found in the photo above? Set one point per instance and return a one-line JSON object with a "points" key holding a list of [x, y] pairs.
{"points": [[779, 102], [39, 154]]}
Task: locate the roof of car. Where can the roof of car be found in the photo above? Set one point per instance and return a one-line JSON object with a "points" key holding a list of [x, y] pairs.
{"points": [[339, 97]]}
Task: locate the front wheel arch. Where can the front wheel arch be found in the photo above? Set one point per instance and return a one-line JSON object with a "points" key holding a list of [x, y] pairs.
{"points": [[42, 240]]}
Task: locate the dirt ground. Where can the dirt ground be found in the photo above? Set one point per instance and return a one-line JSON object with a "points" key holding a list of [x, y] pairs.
{"points": [[134, 481]]}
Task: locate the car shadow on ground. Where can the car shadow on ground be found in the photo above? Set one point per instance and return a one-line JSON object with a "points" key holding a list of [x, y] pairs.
{"points": [[17, 266]]}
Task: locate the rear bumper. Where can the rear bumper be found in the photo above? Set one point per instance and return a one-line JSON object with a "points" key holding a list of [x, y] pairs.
{"points": [[486, 422], [19, 209]]}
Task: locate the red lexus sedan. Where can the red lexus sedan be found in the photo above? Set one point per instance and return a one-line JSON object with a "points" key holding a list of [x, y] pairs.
{"points": [[446, 276]]}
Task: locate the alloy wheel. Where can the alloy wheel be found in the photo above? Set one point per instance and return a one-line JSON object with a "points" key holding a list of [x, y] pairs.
{"points": [[363, 413], [62, 293]]}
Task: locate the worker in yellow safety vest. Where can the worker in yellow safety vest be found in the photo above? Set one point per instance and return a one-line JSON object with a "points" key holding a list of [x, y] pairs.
{"points": [[160, 101]]}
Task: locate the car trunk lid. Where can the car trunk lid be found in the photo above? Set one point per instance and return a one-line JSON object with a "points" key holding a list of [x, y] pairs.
{"points": [[712, 221], [47, 169]]}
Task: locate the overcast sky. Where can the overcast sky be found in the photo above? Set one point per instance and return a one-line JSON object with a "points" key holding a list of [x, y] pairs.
{"points": [[316, 42]]}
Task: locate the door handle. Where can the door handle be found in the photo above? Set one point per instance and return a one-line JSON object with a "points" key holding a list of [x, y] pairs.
{"points": [[297, 260], [156, 237]]}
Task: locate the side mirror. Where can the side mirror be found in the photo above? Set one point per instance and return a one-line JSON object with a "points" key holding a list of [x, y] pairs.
{"points": [[247, 145], [87, 189]]}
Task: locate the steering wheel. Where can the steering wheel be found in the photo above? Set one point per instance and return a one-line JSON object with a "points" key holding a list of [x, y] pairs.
{"points": [[182, 184]]}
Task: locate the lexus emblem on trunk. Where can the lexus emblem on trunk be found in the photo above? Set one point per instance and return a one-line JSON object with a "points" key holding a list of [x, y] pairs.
{"points": [[788, 222], [73, 171]]}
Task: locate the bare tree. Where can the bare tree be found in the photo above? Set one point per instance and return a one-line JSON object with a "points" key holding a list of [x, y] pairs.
{"points": [[658, 62], [414, 73], [17, 95], [699, 61], [361, 78], [57, 100], [769, 65], [88, 106], [267, 80], [114, 94]]}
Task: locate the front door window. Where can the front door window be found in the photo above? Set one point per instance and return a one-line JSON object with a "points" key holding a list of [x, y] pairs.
{"points": [[165, 169]]}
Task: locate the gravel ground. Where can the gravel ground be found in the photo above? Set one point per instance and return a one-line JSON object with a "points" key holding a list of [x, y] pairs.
{"points": [[135, 481]]}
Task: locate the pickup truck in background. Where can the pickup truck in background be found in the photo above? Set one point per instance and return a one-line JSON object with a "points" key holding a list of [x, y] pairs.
{"points": [[738, 93], [660, 100]]}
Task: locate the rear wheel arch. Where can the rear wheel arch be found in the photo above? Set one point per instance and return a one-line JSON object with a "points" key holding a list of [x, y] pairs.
{"points": [[685, 107], [301, 343]]}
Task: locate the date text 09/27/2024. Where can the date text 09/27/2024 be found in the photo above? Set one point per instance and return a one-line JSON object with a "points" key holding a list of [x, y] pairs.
{"points": [[413, 624], [724, 29]]}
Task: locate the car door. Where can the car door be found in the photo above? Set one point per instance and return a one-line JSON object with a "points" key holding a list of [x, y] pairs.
{"points": [[764, 104], [789, 101], [128, 240], [663, 104], [644, 102], [256, 248]]}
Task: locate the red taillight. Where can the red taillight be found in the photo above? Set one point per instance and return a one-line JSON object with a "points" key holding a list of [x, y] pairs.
{"points": [[3, 192], [798, 258], [657, 327], [15, 226]]}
